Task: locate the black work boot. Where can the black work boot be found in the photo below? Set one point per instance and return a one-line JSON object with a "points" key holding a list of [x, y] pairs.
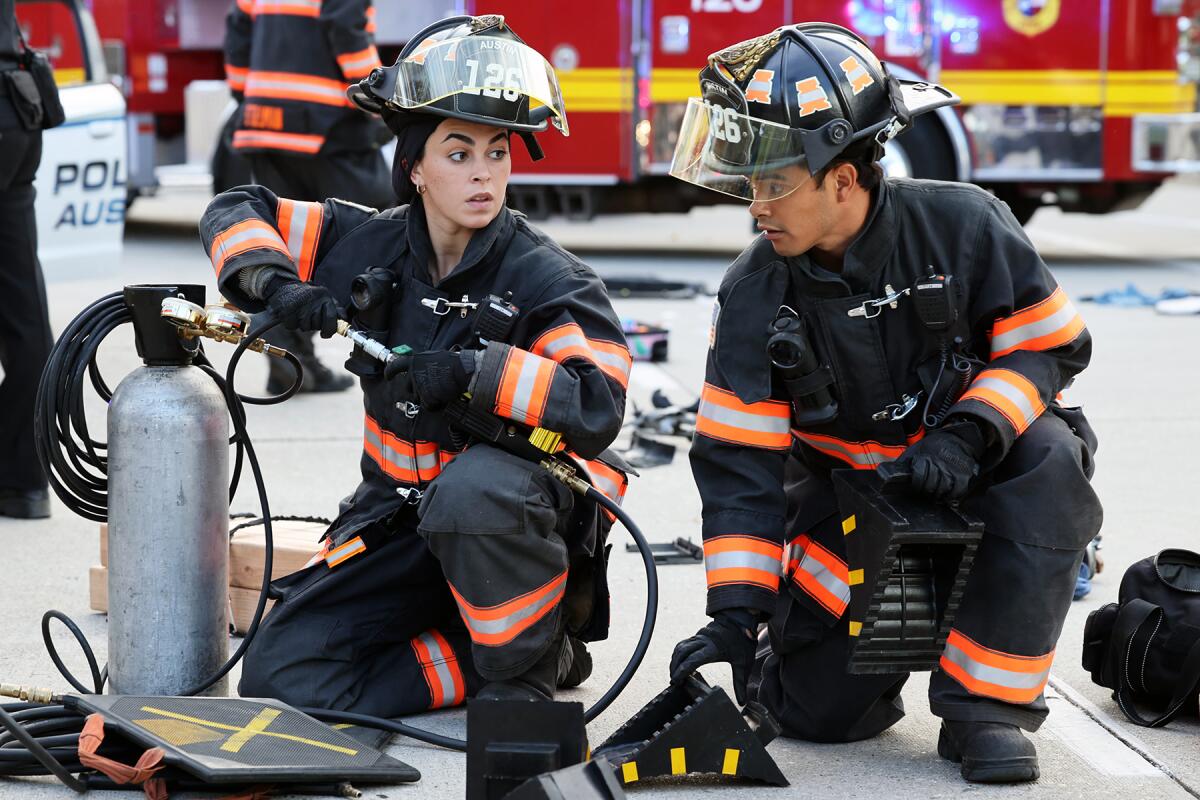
{"points": [[990, 752], [574, 663], [25, 503], [535, 683]]}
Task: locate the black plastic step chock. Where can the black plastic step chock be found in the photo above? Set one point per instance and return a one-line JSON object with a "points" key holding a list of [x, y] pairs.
{"points": [[592, 780], [692, 728], [908, 558]]}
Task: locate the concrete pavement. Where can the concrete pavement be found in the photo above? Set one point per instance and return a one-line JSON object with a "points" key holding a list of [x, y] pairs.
{"points": [[1138, 394]]}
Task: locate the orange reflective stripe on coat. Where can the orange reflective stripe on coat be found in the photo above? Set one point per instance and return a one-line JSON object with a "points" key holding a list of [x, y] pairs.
{"points": [[295, 8], [612, 483], [1043, 326], [990, 673], [524, 386], [297, 86], [401, 460], [821, 575], [860, 455], [371, 25], [1010, 393], [300, 223], [246, 7], [568, 341], [359, 64], [277, 140], [763, 424], [344, 552], [236, 77], [248, 234], [742, 559], [500, 624], [439, 666]]}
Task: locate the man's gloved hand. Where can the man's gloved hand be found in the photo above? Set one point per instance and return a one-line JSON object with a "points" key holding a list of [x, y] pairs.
{"points": [[303, 306], [943, 463], [434, 377], [730, 637]]}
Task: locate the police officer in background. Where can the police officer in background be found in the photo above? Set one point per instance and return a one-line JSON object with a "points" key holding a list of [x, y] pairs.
{"points": [[288, 65], [956, 396], [25, 337]]}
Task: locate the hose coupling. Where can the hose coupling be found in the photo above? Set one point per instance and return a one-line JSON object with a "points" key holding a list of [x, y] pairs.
{"points": [[29, 694], [565, 474]]}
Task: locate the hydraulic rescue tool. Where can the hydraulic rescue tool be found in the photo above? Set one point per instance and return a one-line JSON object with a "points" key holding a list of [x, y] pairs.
{"points": [[163, 482]]}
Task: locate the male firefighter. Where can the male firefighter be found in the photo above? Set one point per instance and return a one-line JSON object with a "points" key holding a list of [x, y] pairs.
{"points": [[959, 390], [288, 65]]}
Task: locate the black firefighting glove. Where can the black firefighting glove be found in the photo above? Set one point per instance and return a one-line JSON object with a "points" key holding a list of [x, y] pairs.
{"points": [[943, 463], [303, 306], [731, 637], [434, 377]]}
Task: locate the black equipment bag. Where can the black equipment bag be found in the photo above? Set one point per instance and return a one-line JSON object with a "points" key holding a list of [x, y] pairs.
{"points": [[1146, 647]]}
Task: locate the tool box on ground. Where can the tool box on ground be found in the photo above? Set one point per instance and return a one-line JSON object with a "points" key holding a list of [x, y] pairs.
{"points": [[908, 558], [693, 728], [680, 551], [646, 342], [296, 542]]}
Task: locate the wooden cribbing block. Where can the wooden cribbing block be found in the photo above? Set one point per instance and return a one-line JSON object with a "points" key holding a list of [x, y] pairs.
{"points": [[295, 545]]}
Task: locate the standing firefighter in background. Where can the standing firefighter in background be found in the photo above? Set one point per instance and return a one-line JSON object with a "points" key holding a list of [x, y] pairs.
{"points": [[959, 390], [448, 572], [288, 65], [25, 337]]}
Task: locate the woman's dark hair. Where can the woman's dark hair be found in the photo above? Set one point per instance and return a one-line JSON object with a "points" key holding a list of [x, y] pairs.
{"points": [[865, 157]]}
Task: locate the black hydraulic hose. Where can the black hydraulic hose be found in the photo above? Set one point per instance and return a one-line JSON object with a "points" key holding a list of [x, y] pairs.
{"points": [[41, 754], [648, 620]]}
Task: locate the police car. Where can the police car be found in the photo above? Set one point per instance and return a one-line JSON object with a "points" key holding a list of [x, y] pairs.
{"points": [[81, 182]]}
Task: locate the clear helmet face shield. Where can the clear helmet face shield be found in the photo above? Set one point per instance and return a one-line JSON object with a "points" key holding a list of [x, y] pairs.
{"points": [[486, 76], [726, 151]]}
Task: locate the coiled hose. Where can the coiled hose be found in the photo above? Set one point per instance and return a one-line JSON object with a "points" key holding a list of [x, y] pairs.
{"points": [[77, 466]]}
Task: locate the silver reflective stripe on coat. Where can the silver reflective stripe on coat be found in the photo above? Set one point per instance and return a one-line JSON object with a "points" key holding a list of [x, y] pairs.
{"points": [[821, 574], [1011, 393], [864, 457], [742, 419], [301, 216], [526, 383], [1035, 330], [262, 231], [742, 559]]}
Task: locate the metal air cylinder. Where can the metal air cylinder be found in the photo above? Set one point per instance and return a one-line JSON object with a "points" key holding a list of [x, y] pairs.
{"points": [[168, 531]]}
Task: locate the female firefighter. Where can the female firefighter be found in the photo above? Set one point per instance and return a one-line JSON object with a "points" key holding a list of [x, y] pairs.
{"points": [[449, 572], [924, 330]]}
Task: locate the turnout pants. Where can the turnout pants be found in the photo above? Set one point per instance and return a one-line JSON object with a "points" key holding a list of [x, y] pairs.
{"points": [[418, 612], [25, 337], [1039, 513]]}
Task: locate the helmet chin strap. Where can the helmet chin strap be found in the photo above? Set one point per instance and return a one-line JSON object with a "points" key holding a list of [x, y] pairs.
{"points": [[531, 145]]}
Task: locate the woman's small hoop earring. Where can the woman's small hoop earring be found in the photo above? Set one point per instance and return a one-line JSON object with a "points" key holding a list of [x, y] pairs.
{"points": [[420, 188]]}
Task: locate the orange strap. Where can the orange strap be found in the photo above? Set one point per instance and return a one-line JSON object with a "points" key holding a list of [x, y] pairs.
{"points": [[140, 773]]}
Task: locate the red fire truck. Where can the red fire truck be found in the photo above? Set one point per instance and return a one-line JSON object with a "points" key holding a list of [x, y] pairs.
{"points": [[1088, 105]]}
